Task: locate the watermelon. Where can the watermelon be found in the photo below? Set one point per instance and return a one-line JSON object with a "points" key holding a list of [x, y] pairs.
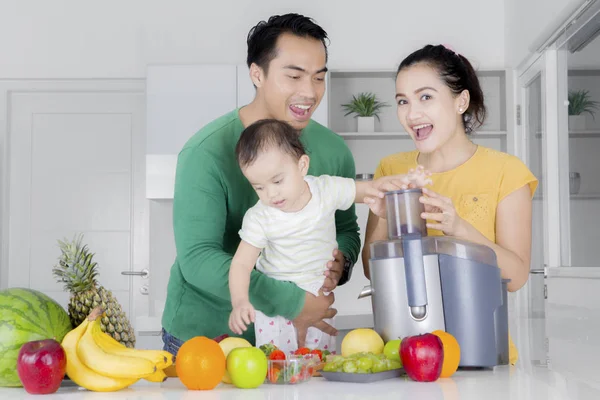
{"points": [[26, 315]]}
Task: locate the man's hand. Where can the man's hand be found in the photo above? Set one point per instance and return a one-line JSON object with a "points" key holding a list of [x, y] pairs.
{"points": [[335, 269], [315, 310]]}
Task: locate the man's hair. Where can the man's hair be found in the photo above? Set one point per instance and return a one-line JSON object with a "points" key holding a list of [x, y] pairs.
{"points": [[262, 38], [265, 134]]}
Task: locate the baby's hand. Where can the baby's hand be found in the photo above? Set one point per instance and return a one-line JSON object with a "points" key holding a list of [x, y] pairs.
{"points": [[241, 316], [418, 177]]}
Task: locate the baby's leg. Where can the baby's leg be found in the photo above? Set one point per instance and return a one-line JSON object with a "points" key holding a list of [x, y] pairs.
{"points": [[317, 339], [275, 330], [266, 329], [287, 337]]}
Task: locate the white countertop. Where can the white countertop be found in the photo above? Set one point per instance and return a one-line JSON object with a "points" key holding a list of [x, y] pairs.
{"points": [[501, 383], [559, 359]]}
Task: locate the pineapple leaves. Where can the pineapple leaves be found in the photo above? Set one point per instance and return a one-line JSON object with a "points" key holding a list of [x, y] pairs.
{"points": [[75, 267]]}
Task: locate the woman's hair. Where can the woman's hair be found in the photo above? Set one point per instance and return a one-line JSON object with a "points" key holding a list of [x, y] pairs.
{"points": [[265, 134], [459, 75]]}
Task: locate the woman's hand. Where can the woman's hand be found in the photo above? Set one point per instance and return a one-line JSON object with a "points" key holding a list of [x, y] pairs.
{"points": [[374, 194], [441, 209]]}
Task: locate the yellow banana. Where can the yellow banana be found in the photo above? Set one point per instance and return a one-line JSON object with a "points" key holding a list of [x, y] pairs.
{"points": [[79, 373], [110, 364], [158, 376], [160, 358]]}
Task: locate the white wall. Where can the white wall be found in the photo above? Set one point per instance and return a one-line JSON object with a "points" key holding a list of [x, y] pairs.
{"points": [[71, 39], [527, 21]]}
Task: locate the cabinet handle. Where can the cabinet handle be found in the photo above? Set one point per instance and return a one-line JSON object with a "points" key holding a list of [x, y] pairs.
{"points": [[537, 271], [143, 273]]}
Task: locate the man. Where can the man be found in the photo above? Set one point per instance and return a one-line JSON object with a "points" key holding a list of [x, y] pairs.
{"points": [[287, 58]]}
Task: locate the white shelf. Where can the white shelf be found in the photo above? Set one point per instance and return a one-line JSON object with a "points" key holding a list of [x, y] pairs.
{"points": [[404, 135], [578, 134], [374, 135], [573, 272], [585, 196], [580, 196]]}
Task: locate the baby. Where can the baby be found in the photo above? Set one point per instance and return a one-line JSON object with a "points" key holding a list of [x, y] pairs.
{"points": [[290, 233]]}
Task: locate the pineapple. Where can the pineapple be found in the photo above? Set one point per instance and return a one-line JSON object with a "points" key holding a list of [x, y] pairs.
{"points": [[78, 271]]}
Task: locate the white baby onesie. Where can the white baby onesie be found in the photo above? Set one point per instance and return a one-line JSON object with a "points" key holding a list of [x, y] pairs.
{"points": [[296, 248]]}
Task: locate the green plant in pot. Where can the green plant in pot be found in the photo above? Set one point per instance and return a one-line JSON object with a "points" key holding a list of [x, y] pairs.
{"points": [[366, 108], [580, 103]]}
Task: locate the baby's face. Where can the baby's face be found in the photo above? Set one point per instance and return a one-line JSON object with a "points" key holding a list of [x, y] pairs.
{"points": [[278, 179]]}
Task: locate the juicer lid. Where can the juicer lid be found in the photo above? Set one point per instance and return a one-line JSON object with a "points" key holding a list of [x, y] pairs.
{"points": [[437, 245], [401, 191]]}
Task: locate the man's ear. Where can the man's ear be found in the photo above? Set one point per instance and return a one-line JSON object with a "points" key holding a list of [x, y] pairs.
{"points": [[303, 164], [256, 75]]}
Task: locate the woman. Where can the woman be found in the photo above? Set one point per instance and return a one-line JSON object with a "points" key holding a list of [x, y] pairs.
{"points": [[478, 194]]}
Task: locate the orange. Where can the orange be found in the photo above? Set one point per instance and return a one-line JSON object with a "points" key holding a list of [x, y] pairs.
{"points": [[200, 363], [451, 353]]}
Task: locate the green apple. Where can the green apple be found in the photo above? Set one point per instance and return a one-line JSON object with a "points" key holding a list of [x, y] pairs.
{"points": [[247, 367], [392, 350]]}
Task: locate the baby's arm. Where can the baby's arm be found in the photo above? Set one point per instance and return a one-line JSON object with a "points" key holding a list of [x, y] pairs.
{"points": [[239, 282]]}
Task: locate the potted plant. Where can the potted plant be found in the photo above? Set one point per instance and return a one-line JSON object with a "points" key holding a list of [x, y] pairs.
{"points": [[366, 107], [579, 103]]}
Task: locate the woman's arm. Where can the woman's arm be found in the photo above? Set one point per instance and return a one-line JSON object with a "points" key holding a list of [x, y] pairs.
{"points": [[376, 230], [513, 237], [513, 231]]}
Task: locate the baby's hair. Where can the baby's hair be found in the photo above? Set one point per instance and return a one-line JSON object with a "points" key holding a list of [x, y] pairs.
{"points": [[265, 134], [458, 74]]}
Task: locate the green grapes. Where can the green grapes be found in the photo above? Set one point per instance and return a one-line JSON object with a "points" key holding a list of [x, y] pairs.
{"points": [[360, 363]]}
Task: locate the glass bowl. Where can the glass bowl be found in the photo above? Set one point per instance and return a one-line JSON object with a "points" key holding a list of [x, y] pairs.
{"points": [[294, 369]]}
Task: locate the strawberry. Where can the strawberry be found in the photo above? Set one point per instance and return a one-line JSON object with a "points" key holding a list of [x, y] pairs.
{"points": [[317, 352], [302, 351], [277, 355]]}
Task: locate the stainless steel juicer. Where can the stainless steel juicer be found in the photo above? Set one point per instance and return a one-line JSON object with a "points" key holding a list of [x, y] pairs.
{"points": [[423, 283]]}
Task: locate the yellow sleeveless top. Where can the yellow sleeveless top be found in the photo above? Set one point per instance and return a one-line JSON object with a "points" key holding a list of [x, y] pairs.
{"points": [[476, 188]]}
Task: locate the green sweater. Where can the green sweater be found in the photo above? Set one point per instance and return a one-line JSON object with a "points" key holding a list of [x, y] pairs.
{"points": [[210, 200]]}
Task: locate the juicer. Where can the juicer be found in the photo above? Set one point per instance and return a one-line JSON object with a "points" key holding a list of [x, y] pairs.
{"points": [[422, 283]]}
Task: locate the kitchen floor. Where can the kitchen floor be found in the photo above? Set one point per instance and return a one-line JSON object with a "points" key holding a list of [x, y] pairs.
{"points": [[558, 360]]}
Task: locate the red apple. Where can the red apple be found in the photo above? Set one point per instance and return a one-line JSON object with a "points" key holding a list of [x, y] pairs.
{"points": [[422, 357], [219, 338], [41, 366]]}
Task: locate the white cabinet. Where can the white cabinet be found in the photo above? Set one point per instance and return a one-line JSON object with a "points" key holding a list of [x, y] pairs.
{"points": [[180, 99]]}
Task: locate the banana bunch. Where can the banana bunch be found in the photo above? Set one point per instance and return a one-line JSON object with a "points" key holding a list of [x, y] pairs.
{"points": [[99, 363]]}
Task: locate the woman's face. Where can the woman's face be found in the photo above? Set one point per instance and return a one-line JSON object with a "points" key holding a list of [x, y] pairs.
{"points": [[427, 108]]}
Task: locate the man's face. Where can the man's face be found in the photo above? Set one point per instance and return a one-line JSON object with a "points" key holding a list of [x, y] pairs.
{"points": [[295, 82]]}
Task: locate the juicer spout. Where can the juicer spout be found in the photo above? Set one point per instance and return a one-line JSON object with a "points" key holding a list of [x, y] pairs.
{"points": [[367, 291]]}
